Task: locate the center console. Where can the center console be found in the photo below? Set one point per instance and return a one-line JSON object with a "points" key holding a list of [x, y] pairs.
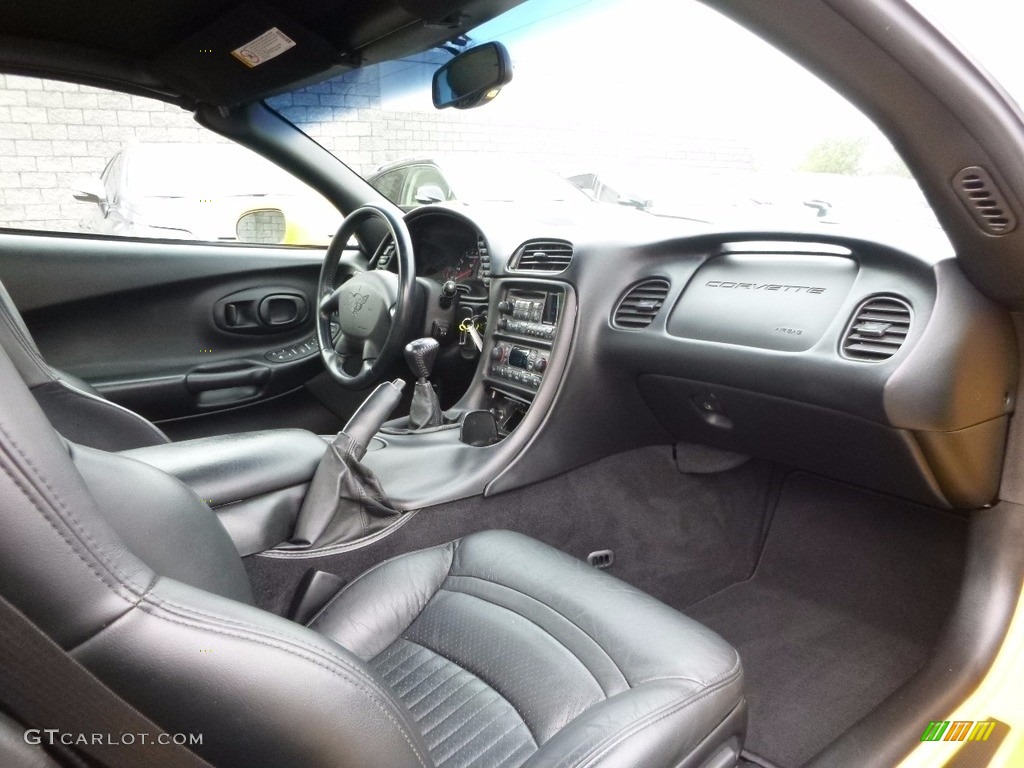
{"points": [[527, 326]]}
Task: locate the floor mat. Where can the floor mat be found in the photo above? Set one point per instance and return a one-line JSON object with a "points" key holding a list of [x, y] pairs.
{"points": [[849, 596]]}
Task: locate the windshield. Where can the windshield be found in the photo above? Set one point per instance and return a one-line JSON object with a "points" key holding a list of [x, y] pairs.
{"points": [[701, 120], [482, 179]]}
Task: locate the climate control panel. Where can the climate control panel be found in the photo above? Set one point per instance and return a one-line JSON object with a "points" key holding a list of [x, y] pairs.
{"points": [[521, 365]]}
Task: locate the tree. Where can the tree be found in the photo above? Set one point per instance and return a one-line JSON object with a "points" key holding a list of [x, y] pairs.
{"points": [[836, 155]]}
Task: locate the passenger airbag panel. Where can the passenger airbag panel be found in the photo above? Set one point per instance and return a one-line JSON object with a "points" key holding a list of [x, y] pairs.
{"points": [[783, 303]]}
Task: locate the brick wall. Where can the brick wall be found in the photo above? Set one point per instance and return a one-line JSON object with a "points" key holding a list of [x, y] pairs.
{"points": [[54, 136]]}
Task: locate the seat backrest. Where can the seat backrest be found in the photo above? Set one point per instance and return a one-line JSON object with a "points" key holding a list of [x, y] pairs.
{"points": [[127, 570], [75, 409]]}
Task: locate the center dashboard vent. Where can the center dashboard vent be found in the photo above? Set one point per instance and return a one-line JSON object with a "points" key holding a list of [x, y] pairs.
{"points": [[640, 304], [542, 256], [878, 329]]}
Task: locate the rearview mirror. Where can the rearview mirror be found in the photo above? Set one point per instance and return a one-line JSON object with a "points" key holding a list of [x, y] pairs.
{"points": [[472, 78]]}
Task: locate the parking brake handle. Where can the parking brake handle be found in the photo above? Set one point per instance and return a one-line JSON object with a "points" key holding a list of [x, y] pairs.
{"points": [[345, 500], [371, 415]]}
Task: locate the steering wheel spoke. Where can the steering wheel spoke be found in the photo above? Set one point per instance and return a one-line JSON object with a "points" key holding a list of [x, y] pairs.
{"points": [[374, 309], [345, 348]]}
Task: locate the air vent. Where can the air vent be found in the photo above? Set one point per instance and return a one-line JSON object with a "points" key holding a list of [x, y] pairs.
{"points": [[878, 329], [641, 304], [485, 260], [542, 256], [984, 200]]}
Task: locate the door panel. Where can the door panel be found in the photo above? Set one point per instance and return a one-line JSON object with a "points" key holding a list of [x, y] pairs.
{"points": [[178, 330]]}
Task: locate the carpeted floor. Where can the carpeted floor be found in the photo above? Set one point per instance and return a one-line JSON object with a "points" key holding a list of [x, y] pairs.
{"points": [[848, 598]]}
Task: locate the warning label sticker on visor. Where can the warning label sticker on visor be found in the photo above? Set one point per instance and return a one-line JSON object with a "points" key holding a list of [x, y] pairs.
{"points": [[267, 46]]}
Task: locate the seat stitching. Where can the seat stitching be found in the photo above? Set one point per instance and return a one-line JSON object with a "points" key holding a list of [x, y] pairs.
{"points": [[373, 693], [532, 748], [448, 679], [447, 699], [516, 748], [555, 611], [493, 744], [57, 504], [114, 585], [542, 629], [477, 732], [188, 611], [403, 678], [374, 569], [482, 680], [602, 749], [27, 345], [451, 714], [395, 665]]}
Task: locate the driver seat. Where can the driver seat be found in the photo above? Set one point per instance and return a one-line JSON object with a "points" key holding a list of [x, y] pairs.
{"points": [[494, 651], [74, 408]]}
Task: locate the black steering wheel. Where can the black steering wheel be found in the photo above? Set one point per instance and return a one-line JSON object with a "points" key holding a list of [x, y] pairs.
{"points": [[374, 308]]}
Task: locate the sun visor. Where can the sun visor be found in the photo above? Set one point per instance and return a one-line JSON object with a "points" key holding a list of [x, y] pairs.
{"points": [[250, 52]]}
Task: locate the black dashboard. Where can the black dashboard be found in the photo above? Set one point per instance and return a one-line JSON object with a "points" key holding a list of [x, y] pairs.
{"points": [[842, 356]]}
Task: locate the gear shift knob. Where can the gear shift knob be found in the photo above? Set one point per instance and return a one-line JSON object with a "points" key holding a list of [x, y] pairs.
{"points": [[420, 355]]}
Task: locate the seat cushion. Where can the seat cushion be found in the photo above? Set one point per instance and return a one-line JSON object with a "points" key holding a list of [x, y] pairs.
{"points": [[509, 653]]}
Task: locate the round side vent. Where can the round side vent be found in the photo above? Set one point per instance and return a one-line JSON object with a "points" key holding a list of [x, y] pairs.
{"points": [[640, 304], [878, 329]]}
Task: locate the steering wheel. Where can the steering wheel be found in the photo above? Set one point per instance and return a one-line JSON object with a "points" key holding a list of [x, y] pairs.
{"points": [[374, 308]]}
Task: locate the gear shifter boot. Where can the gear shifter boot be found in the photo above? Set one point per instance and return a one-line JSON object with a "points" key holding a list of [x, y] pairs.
{"points": [[425, 410]]}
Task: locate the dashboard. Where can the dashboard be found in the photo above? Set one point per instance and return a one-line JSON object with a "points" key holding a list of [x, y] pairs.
{"points": [[859, 360]]}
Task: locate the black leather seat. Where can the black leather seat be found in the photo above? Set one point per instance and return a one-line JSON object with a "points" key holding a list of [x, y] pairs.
{"points": [[493, 651], [75, 409]]}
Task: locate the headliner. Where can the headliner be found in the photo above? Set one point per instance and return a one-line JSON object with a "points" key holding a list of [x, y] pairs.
{"points": [[154, 46]]}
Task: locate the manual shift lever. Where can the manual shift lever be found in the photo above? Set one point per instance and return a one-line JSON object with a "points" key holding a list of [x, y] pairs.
{"points": [[420, 355], [425, 411]]}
